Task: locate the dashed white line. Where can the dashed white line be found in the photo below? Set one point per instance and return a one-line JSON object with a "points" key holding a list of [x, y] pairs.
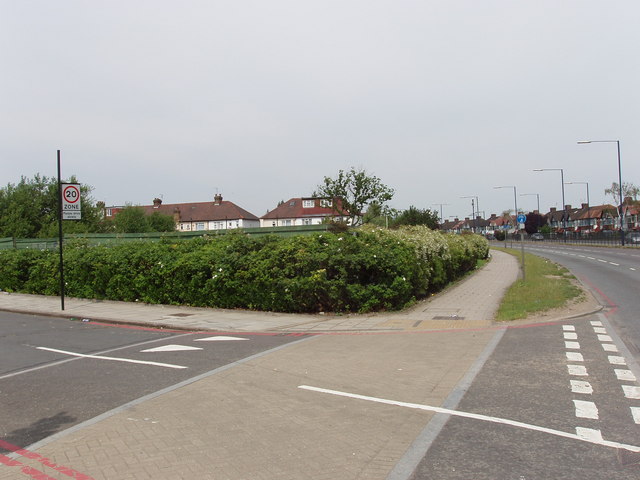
{"points": [[570, 336], [609, 347], [625, 375], [578, 370], [600, 330], [596, 323], [572, 345], [616, 264], [605, 338], [574, 357], [635, 412], [589, 434], [615, 360], [631, 391], [569, 328], [585, 409], [580, 386]]}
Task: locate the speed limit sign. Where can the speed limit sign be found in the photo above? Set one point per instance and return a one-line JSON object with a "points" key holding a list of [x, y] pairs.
{"points": [[71, 209]]}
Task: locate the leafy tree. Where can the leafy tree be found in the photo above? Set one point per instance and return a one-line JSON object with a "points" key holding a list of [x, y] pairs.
{"points": [[133, 219], [29, 209], [416, 216], [628, 190], [352, 191], [534, 222], [379, 215]]}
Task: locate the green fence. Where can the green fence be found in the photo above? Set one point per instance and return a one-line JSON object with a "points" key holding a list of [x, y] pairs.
{"points": [[118, 238]]}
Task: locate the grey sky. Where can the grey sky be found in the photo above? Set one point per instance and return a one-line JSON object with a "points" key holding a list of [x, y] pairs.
{"points": [[260, 100]]}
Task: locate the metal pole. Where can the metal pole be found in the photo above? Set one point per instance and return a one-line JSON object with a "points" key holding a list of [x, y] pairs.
{"points": [[621, 197], [60, 235]]}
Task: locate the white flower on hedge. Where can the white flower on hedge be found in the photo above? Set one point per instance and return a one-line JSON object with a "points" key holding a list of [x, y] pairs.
{"points": [[214, 277]]}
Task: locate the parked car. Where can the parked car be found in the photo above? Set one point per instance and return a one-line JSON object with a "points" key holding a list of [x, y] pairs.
{"points": [[633, 237], [537, 236]]}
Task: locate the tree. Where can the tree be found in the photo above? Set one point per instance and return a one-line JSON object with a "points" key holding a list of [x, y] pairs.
{"points": [[534, 222], [132, 219], [416, 216], [29, 209], [352, 191], [379, 215], [628, 190]]}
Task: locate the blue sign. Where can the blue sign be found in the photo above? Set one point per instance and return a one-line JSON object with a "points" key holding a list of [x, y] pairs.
{"points": [[522, 218]]}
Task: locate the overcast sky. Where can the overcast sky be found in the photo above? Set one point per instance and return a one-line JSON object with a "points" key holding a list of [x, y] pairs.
{"points": [[259, 100]]}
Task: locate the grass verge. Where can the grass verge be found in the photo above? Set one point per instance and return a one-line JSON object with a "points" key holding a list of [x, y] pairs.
{"points": [[546, 286]]}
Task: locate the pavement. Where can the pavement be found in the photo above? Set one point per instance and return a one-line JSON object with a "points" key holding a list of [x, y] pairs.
{"points": [[251, 420]]}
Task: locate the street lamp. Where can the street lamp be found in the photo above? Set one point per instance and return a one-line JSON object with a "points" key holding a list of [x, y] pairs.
{"points": [[621, 211], [515, 199], [536, 194], [581, 183], [441, 204], [564, 207], [473, 211]]}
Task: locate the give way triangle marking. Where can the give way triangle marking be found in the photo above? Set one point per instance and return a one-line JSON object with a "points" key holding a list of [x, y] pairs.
{"points": [[219, 338], [170, 348]]}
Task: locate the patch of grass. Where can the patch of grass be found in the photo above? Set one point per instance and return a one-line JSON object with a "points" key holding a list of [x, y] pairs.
{"points": [[546, 286]]}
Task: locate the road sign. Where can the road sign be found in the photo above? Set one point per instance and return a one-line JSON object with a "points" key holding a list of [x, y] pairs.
{"points": [[71, 208], [522, 218]]}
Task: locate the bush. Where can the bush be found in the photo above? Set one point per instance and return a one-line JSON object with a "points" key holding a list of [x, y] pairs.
{"points": [[360, 271]]}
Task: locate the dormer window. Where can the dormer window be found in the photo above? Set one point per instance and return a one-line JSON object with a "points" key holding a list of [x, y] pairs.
{"points": [[308, 203], [326, 203]]}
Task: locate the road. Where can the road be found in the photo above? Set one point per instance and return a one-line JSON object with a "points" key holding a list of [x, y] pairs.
{"points": [[45, 388]]}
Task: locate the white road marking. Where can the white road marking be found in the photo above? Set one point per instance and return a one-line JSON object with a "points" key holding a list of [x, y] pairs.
{"points": [[591, 258], [570, 336], [574, 357], [615, 360], [586, 409], [631, 268], [589, 435], [578, 370], [100, 357], [635, 412], [605, 338], [609, 347], [631, 391], [596, 323], [569, 328], [603, 261], [219, 338], [600, 330], [171, 348], [580, 386], [626, 375], [586, 437], [616, 264], [572, 345]]}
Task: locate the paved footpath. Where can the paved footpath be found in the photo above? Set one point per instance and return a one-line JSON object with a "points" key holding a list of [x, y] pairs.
{"points": [[253, 421]]}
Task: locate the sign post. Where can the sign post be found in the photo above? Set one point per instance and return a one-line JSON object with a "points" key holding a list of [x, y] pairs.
{"points": [[522, 218], [69, 208]]}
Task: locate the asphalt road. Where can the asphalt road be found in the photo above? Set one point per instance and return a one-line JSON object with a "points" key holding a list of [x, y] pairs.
{"points": [[45, 387]]}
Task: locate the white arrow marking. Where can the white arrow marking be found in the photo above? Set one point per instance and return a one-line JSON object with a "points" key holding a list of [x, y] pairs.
{"points": [[171, 348], [100, 357], [219, 338]]}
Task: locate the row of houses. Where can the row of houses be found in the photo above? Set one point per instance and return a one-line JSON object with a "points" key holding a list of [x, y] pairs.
{"points": [[222, 214], [584, 220]]}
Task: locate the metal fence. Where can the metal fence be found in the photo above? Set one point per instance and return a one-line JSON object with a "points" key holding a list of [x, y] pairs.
{"points": [[119, 238], [607, 238]]}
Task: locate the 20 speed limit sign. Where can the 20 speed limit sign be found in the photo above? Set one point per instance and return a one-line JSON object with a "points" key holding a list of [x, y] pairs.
{"points": [[71, 209]]}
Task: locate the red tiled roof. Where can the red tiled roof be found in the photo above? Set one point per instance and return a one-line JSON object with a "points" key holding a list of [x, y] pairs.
{"points": [[202, 211], [293, 208]]}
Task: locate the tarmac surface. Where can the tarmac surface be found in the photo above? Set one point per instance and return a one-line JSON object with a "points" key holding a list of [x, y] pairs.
{"points": [[252, 419]]}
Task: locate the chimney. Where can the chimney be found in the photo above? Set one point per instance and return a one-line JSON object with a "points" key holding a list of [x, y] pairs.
{"points": [[157, 202], [585, 205], [217, 199], [553, 209], [176, 215]]}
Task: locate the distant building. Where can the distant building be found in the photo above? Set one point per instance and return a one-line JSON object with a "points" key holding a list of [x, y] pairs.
{"points": [[199, 216], [302, 211]]}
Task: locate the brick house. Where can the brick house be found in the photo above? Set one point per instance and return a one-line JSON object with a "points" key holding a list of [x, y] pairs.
{"points": [[302, 211]]}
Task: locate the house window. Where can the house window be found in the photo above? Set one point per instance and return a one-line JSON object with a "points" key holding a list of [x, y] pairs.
{"points": [[109, 212], [218, 225], [306, 221], [286, 223], [200, 226], [308, 204], [326, 203]]}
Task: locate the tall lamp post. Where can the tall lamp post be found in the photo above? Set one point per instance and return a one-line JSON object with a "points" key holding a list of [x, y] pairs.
{"points": [[564, 207], [536, 194], [473, 210], [441, 204], [621, 209], [581, 183]]}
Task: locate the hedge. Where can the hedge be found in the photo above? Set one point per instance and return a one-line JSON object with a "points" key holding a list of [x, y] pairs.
{"points": [[360, 271]]}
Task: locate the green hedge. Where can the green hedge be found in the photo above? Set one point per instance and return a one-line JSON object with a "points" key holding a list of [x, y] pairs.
{"points": [[361, 271]]}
